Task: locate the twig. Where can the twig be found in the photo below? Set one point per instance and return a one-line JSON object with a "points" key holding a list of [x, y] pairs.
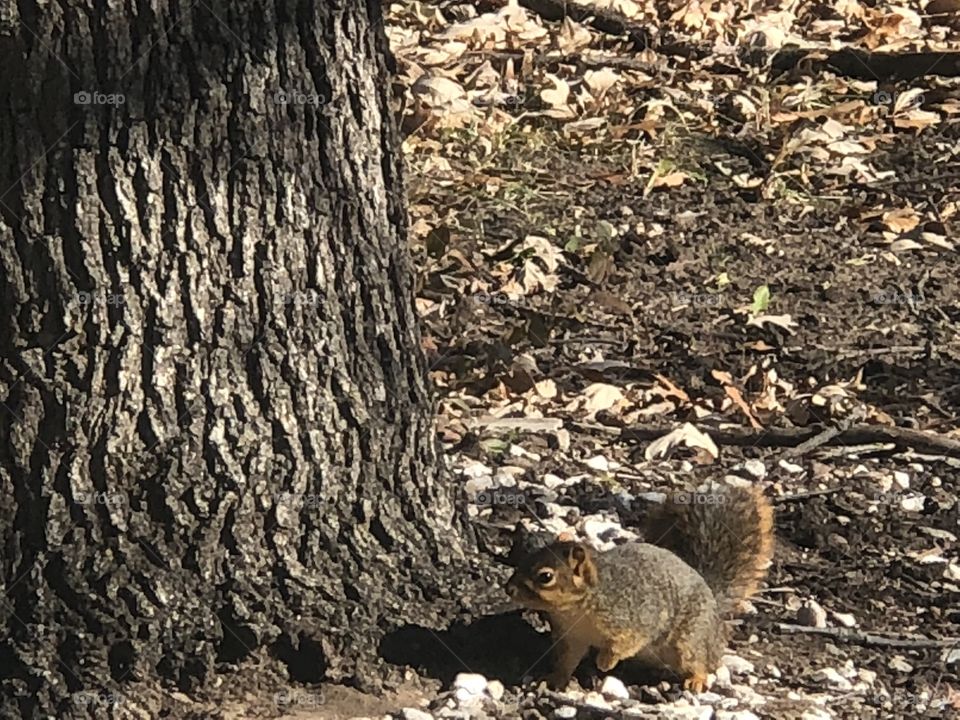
{"points": [[738, 435], [816, 441], [806, 495], [868, 639], [855, 450]]}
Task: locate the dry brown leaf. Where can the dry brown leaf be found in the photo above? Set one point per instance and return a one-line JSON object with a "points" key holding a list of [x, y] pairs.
{"points": [[672, 179], [601, 396], [546, 389], [671, 390], [557, 96], [902, 220], [687, 435], [783, 321], [726, 379], [916, 120]]}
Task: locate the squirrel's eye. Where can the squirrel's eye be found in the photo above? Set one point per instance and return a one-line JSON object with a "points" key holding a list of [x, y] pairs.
{"points": [[545, 577]]}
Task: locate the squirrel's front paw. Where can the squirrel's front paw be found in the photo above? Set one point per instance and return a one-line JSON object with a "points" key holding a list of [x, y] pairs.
{"points": [[695, 683]]}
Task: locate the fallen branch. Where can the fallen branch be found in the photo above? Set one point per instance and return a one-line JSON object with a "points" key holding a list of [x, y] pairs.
{"points": [[850, 62], [742, 436], [609, 22], [868, 639]]}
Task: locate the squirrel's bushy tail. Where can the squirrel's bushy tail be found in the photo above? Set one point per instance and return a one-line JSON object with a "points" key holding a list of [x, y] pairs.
{"points": [[725, 534]]}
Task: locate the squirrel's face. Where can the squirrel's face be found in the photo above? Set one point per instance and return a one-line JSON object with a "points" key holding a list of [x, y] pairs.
{"points": [[556, 576]]}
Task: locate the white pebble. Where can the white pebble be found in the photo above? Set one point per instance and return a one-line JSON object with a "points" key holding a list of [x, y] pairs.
{"points": [[472, 683], [790, 467], [613, 688], [409, 713], [737, 665], [845, 619], [833, 678], [912, 504], [898, 663], [723, 676], [812, 615], [476, 470], [598, 462], [495, 689], [595, 699], [553, 481]]}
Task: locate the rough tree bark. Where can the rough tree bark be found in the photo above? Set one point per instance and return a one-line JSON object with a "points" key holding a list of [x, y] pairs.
{"points": [[215, 431]]}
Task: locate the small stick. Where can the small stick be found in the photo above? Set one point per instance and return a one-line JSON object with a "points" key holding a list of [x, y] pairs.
{"points": [[866, 638]]}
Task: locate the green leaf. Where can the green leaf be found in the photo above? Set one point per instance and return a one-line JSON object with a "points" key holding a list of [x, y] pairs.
{"points": [[761, 300]]}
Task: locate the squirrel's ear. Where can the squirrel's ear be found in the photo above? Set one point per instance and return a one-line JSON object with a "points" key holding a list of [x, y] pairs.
{"points": [[581, 563]]}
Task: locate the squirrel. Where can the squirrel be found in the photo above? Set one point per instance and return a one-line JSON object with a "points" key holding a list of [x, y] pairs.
{"points": [[666, 599]]}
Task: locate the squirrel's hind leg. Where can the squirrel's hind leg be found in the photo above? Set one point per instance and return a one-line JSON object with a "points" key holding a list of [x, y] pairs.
{"points": [[697, 654]]}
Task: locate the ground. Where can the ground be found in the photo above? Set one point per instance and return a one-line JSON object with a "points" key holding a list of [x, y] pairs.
{"points": [[607, 244], [610, 237]]}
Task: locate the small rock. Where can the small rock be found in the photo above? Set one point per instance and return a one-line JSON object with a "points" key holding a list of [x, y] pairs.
{"points": [[790, 467], [845, 619], [816, 713], [555, 525], [951, 655], [477, 470], [465, 697], [938, 534], [774, 671], [495, 689], [901, 478], [756, 468], [793, 603], [553, 481], [613, 688], [737, 665], [676, 711], [812, 615], [598, 462], [723, 676], [736, 715], [912, 504], [867, 676], [596, 700], [565, 713], [472, 683], [833, 678], [409, 713], [600, 531], [898, 663], [475, 486], [519, 451]]}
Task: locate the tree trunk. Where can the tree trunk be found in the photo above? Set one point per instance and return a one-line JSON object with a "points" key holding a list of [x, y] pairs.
{"points": [[215, 432]]}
